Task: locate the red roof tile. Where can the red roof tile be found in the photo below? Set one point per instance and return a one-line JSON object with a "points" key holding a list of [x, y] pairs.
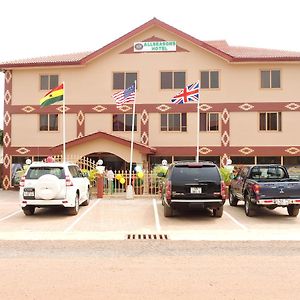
{"points": [[220, 48], [251, 52], [72, 58]]}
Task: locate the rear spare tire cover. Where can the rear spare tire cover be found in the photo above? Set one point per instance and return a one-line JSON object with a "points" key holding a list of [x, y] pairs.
{"points": [[47, 187]]}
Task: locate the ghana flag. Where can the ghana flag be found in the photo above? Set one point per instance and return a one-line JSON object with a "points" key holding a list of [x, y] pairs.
{"points": [[55, 95]]}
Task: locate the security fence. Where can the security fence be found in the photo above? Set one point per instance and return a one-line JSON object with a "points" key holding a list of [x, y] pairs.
{"points": [[84, 163], [144, 183]]}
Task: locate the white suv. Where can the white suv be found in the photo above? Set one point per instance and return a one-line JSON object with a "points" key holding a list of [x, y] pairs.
{"points": [[54, 184]]}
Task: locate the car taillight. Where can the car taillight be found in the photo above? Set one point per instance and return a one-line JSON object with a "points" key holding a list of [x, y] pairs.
{"points": [[168, 190], [223, 190], [22, 181], [255, 189], [68, 181]]}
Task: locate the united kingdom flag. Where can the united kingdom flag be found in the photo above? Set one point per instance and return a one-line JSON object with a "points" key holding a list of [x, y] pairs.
{"points": [[189, 94]]}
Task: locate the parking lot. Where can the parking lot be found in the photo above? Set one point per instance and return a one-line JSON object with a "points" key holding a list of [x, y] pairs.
{"points": [[116, 218]]}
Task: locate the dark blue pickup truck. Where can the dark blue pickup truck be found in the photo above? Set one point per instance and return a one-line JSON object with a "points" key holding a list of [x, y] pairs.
{"points": [[265, 185]]}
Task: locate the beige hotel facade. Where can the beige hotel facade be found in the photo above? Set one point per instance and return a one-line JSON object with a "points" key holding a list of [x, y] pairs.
{"points": [[249, 102]]}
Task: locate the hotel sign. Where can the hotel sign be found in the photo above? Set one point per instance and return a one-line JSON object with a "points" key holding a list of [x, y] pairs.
{"points": [[159, 46]]}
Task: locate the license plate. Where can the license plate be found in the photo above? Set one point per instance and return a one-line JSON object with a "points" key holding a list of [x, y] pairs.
{"points": [[196, 190], [28, 192], [282, 201]]}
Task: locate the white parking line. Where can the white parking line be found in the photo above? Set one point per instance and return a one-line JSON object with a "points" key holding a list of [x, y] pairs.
{"points": [[11, 215], [69, 228], [157, 224], [235, 221]]}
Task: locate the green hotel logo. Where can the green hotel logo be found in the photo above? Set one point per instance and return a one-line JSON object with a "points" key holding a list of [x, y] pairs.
{"points": [[155, 46]]}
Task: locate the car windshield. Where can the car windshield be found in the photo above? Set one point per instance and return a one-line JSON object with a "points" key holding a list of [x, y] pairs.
{"points": [[185, 174], [37, 172]]}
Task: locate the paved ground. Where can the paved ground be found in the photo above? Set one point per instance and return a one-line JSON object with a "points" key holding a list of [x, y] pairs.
{"points": [[114, 219], [149, 270]]}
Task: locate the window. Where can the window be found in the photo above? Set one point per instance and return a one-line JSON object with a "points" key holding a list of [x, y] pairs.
{"points": [[48, 82], [37, 172], [214, 159], [123, 122], [157, 160], [173, 122], [172, 80], [209, 79], [244, 172], [270, 121], [209, 122], [75, 171], [292, 160], [243, 160], [270, 79], [123, 80], [49, 122], [266, 160], [184, 158]]}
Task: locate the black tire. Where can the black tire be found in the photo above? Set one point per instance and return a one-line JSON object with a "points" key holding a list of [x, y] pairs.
{"points": [[233, 200], [28, 211], [73, 211], [87, 201], [218, 212], [293, 211], [168, 211], [250, 208]]}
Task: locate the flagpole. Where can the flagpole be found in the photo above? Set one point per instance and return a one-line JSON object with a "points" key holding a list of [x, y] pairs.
{"points": [[64, 123], [129, 192], [198, 124]]}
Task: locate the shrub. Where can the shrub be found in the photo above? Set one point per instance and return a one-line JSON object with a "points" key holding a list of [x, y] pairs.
{"points": [[226, 175], [160, 170], [91, 174]]}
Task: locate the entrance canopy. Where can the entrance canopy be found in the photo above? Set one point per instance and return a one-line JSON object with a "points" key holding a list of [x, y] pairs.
{"points": [[104, 142]]}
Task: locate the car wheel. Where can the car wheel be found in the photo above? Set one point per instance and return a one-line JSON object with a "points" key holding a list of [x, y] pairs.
{"points": [[249, 207], [87, 201], [168, 211], [218, 212], [28, 211], [233, 200], [293, 211], [72, 211]]}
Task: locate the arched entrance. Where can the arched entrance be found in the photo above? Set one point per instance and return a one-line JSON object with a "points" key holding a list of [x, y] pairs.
{"points": [[110, 160], [113, 150]]}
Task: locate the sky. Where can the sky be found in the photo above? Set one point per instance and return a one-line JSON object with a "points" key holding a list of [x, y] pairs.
{"points": [[35, 28]]}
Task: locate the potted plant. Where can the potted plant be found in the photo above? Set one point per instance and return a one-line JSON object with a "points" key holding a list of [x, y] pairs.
{"points": [[226, 177], [159, 172]]}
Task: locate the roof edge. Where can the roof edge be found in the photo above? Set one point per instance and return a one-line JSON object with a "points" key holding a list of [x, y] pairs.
{"points": [[100, 134], [153, 22]]}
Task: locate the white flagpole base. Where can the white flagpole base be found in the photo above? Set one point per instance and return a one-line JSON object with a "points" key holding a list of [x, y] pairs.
{"points": [[129, 192]]}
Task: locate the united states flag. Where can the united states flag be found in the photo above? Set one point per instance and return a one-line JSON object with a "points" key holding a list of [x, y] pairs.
{"points": [[189, 94], [125, 96]]}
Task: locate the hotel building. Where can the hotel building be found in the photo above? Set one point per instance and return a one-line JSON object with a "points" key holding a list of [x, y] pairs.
{"points": [[249, 102]]}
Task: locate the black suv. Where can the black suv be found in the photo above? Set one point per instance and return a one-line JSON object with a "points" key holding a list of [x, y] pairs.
{"points": [[191, 184]]}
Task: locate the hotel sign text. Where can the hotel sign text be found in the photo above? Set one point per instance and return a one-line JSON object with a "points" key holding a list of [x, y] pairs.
{"points": [[158, 46]]}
